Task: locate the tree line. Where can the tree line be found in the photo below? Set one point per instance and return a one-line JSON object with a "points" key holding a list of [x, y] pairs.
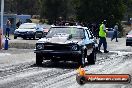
{"points": [[79, 10]]}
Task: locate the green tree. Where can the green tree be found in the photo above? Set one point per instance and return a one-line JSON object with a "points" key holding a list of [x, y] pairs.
{"points": [[23, 6], [10, 6], [128, 13], [98, 10], [28, 7], [53, 9]]}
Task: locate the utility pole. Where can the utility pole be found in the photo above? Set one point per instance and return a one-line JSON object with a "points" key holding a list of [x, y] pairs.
{"points": [[1, 28]]}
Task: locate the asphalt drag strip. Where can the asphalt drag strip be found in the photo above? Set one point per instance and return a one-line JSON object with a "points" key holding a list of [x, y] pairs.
{"points": [[28, 75], [50, 75]]}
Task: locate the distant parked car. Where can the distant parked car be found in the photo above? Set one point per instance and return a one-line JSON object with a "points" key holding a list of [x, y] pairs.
{"points": [[41, 32], [66, 43], [110, 32], [26, 30], [129, 38]]}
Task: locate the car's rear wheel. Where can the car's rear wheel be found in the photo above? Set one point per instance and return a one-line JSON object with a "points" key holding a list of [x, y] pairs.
{"points": [[15, 37], [34, 36], [91, 58], [24, 38], [54, 61], [82, 59], [39, 59], [127, 44]]}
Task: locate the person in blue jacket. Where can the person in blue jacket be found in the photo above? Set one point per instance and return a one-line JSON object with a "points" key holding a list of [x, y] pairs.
{"points": [[8, 25], [115, 35]]}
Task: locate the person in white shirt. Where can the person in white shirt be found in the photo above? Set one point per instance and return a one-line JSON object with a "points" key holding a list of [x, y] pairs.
{"points": [[115, 35]]}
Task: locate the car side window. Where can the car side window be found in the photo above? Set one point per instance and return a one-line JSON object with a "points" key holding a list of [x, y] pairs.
{"points": [[86, 34]]}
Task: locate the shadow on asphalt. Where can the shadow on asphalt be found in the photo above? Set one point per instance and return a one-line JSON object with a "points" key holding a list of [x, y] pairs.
{"points": [[30, 39], [62, 65]]}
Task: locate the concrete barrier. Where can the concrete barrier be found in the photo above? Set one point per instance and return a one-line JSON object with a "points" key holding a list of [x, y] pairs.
{"points": [[21, 45]]}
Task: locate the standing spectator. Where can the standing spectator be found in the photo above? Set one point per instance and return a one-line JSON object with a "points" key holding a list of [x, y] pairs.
{"points": [[18, 23], [102, 36], [97, 31], [115, 34], [8, 25]]}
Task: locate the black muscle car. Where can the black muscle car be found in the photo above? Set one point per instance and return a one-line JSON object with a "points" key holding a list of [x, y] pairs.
{"points": [[66, 43]]}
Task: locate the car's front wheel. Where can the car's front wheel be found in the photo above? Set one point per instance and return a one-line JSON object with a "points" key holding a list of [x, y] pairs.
{"points": [[91, 58], [82, 59], [39, 59]]}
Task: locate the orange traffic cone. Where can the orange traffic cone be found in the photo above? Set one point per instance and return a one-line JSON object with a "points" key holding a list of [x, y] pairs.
{"points": [[81, 71]]}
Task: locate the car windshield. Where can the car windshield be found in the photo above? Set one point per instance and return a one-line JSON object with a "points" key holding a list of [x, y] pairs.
{"points": [[27, 26], [74, 32], [130, 33]]}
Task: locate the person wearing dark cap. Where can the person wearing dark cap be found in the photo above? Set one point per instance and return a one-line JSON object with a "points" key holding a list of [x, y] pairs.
{"points": [[102, 37]]}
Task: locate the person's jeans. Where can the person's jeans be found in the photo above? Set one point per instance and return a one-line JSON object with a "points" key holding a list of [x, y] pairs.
{"points": [[102, 40], [7, 32], [114, 36]]}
